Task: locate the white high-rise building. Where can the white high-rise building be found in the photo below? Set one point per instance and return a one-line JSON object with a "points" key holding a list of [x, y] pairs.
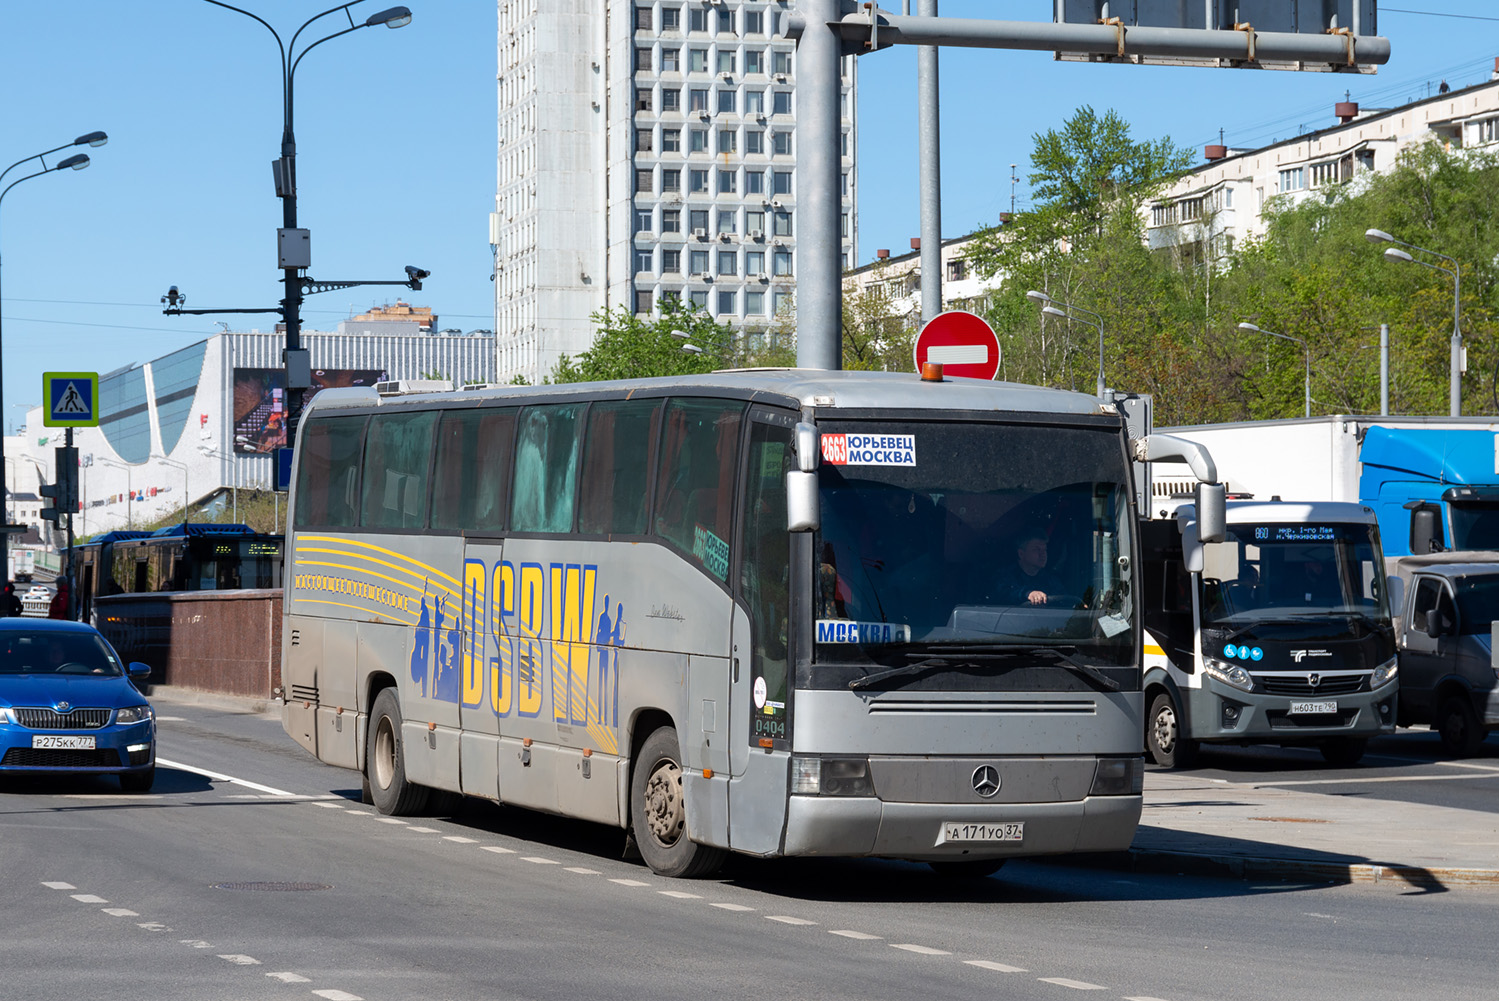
{"points": [[647, 148]]}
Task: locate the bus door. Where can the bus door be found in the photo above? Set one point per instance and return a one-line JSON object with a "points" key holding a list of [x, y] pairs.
{"points": [[486, 689], [760, 721]]}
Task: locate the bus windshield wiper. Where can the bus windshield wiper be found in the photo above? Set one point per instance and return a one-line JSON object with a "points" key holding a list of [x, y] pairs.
{"points": [[973, 659]]}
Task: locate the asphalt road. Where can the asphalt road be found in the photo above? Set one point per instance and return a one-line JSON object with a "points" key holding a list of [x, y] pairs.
{"points": [[165, 896]]}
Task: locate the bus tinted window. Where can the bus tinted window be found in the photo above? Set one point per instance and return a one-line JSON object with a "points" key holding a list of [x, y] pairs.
{"points": [[620, 451], [473, 469], [328, 472], [546, 469], [695, 491], [397, 449], [765, 573]]}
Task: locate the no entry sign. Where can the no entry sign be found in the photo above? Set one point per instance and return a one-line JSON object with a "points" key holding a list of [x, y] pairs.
{"points": [[961, 342]]}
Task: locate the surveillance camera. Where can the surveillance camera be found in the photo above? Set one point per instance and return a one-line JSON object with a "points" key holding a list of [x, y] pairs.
{"points": [[417, 273], [174, 298]]}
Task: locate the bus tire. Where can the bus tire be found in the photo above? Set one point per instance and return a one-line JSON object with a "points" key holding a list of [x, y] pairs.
{"points": [[658, 812], [385, 760], [1163, 737], [1343, 752], [967, 868], [1457, 725]]}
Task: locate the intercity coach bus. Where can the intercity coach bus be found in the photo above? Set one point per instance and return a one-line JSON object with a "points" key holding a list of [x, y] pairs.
{"points": [[759, 611]]}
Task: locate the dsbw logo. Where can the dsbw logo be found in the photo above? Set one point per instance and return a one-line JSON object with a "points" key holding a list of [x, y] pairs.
{"points": [[1299, 655]]}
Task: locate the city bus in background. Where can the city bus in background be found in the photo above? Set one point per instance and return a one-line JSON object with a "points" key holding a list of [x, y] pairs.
{"points": [[760, 612]]}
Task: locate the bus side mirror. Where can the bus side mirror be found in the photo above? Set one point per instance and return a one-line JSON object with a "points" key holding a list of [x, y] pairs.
{"points": [[1395, 593], [808, 443], [802, 514], [1212, 512]]}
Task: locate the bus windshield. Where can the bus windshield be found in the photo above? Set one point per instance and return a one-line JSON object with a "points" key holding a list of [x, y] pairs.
{"points": [[972, 539], [1264, 571]]}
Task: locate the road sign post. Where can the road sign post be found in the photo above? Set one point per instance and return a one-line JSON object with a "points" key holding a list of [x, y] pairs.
{"points": [[961, 342], [71, 401]]}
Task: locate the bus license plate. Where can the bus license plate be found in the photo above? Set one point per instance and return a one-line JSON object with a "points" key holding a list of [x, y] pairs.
{"points": [[63, 742], [952, 831], [1314, 708]]}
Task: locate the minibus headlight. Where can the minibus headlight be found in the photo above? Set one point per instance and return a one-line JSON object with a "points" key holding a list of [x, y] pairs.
{"points": [[831, 776], [1236, 675], [1384, 673], [1119, 777]]}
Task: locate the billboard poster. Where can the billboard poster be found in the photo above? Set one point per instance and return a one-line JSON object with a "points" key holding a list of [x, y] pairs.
{"points": [[260, 402]]}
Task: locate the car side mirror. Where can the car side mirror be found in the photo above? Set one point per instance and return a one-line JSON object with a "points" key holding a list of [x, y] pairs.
{"points": [[139, 671]]}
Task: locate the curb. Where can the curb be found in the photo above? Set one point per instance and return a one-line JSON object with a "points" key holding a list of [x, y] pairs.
{"points": [[1247, 866], [216, 700]]}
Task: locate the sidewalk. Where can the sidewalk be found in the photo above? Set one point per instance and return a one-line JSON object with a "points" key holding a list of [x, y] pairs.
{"points": [[1244, 828]]}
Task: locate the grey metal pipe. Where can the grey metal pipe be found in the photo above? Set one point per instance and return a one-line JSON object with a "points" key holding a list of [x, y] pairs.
{"points": [[1268, 46], [1384, 369], [819, 299], [929, 176]]}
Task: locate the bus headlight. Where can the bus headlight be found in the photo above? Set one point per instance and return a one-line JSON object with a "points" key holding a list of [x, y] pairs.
{"points": [[831, 776], [1384, 673], [1119, 777], [1236, 675]]}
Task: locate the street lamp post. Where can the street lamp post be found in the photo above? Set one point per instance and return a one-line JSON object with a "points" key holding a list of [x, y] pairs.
{"points": [[129, 490], [298, 286], [1064, 310], [1455, 364], [1250, 328], [75, 162], [186, 497], [233, 472]]}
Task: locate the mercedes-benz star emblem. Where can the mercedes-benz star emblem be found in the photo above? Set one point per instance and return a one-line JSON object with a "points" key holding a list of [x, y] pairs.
{"points": [[986, 780], [1314, 680]]}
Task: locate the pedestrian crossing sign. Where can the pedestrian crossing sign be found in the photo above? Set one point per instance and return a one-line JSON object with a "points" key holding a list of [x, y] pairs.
{"points": [[72, 399]]}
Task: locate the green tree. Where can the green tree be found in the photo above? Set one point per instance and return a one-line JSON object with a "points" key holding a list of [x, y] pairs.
{"points": [[635, 347]]}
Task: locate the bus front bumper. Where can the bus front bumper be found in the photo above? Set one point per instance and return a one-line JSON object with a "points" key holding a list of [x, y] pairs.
{"points": [[866, 826], [1220, 712]]}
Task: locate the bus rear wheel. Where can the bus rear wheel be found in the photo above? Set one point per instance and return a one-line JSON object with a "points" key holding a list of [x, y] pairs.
{"points": [[658, 812], [385, 760], [1163, 735]]}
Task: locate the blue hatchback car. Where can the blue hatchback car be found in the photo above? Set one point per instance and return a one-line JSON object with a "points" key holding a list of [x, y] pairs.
{"points": [[69, 706]]}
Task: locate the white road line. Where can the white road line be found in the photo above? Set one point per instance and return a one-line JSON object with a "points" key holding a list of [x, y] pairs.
{"points": [[921, 950], [289, 978], [1144, 998], [424, 830], [112, 795], [680, 894], [88, 898], [393, 820], [733, 907], [785, 920], [152, 926], [494, 848], [332, 995], [629, 882], [171, 719], [327, 805], [539, 860], [220, 777], [457, 840], [1077, 985], [241, 960], [1378, 778], [119, 912], [862, 936], [196, 943], [985, 964], [583, 872], [56, 885]]}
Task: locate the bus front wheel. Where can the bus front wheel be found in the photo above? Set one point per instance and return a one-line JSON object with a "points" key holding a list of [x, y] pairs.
{"points": [[658, 812], [1163, 735], [385, 760]]}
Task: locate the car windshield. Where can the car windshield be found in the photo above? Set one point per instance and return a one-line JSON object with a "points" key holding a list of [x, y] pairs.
{"points": [[971, 539], [1268, 570], [56, 652], [1477, 604]]}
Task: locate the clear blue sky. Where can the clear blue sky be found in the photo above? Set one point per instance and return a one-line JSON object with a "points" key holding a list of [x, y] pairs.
{"points": [[396, 153]]}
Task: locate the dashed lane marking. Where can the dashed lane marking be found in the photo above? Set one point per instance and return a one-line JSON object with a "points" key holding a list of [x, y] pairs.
{"points": [[1144, 999], [733, 907], [424, 830], [787, 920], [629, 882], [152, 926], [583, 872], [88, 898], [196, 943], [289, 978], [240, 960], [680, 894], [1077, 985], [920, 950], [327, 805], [495, 848], [119, 912], [55, 885], [458, 840], [539, 860], [393, 820], [862, 936], [985, 964], [334, 995], [221, 777]]}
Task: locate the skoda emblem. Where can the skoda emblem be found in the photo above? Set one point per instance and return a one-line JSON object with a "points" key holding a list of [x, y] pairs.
{"points": [[64, 707], [1314, 680], [986, 780]]}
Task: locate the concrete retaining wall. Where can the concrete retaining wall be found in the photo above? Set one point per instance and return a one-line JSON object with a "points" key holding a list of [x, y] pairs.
{"points": [[227, 642]]}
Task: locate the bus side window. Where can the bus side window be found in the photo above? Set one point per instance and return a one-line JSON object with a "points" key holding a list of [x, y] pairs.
{"points": [[695, 488], [619, 454], [546, 469], [472, 478], [328, 472], [397, 450]]}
